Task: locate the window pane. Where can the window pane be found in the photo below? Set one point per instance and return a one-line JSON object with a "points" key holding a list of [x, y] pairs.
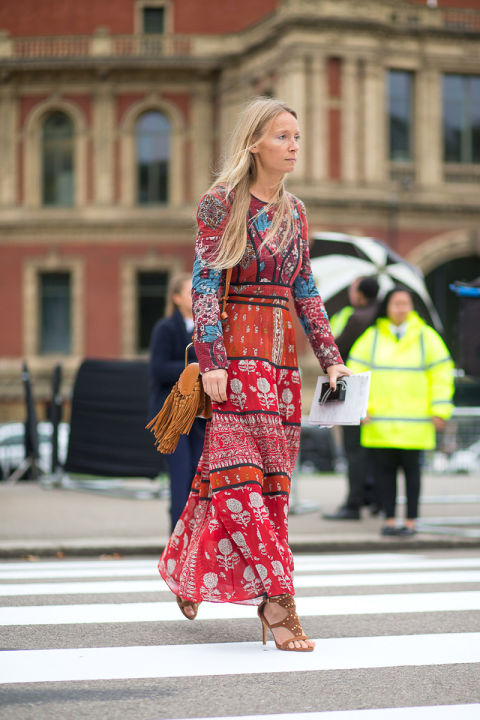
{"points": [[153, 20], [475, 112], [153, 155], [55, 322], [461, 118], [454, 117], [57, 156], [151, 303], [400, 114]]}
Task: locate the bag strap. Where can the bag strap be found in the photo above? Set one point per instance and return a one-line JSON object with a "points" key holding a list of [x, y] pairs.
{"points": [[186, 352], [224, 315]]}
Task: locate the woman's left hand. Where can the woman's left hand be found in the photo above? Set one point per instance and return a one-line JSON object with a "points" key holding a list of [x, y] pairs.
{"points": [[335, 372]]}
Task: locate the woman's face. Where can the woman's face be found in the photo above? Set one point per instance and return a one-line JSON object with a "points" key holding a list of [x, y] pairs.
{"points": [[399, 305], [183, 299], [277, 152]]}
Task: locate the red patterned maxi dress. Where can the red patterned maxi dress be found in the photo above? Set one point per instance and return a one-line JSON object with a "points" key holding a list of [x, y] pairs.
{"points": [[231, 541]]}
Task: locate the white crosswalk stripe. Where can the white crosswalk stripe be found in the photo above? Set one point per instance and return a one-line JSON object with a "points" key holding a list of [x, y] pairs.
{"points": [[235, 658], [51, 595], [445, 712], [307, 606], [303, 563], [301, 582]]}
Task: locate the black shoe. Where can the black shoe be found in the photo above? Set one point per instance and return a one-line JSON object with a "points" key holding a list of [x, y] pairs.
{"points": [[406, 531], [389, 530], [343, 513]]}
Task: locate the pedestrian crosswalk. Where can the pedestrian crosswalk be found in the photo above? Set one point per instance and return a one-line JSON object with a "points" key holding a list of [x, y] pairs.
{"points": [[384, 623]]}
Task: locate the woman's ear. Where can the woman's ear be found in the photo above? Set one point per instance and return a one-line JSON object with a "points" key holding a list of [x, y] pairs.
{"points": [[254, 149]]}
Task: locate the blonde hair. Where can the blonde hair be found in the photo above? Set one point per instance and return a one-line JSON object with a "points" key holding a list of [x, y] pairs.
{"points": [[175, 286], [237, 175]]}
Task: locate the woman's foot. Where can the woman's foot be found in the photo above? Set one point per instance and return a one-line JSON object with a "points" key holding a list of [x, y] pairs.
{"points": [[189, 608], [389, 530], [408, 529], [288, 636], [389, 527]]}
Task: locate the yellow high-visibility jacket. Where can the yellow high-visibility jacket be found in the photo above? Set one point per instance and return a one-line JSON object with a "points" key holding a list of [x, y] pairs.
{"points": [[412, 380], [340, 319]]}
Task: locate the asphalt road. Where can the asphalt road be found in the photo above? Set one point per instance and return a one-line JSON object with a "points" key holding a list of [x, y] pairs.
{"points": [[101, 638]]}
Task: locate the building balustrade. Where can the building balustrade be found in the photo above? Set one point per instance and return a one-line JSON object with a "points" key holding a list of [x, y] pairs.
{"points": [[101, 44]]}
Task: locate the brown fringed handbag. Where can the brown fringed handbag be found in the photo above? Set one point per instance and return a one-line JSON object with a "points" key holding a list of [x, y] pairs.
{"points": [[187, 400]]}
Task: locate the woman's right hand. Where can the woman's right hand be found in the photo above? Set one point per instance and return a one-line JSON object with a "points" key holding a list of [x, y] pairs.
{"points": [[215, 384]]}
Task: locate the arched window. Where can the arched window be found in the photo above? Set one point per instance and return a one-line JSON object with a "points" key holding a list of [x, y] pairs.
{"points": [[152, 133], [57, 160]]}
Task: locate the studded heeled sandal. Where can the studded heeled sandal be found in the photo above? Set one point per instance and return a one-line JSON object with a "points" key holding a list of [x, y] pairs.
{"points": [[290, 622], [182, 604]]}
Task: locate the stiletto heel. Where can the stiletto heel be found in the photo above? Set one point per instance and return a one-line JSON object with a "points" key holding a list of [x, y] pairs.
{"points": [[263, 621], [182, 604], [290, 622]]}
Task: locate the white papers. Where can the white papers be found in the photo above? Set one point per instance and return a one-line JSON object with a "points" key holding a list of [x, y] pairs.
{"points": [[337, 412]]}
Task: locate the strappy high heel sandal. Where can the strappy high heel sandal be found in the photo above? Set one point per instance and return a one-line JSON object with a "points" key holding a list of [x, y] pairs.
{"points": [[182, 604], [290, 622]]}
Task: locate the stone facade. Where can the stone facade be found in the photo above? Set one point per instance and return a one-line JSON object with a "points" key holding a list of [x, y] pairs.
{"points": [[327, 58]]}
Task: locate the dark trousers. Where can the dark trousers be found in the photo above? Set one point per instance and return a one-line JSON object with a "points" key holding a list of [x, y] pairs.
{"points": [[182, 465], [386, 462], [358, 468]]}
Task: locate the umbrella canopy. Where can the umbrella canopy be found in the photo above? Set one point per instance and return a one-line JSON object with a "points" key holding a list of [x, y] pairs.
{"points": [[338, 259]]}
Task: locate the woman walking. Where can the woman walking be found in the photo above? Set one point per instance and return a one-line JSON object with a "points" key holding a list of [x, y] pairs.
{"points": [[231, 542], [410, 398]]}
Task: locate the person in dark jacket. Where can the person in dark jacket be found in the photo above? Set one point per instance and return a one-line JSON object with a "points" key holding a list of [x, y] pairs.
{"points": [[170, 337], [363, 297]]}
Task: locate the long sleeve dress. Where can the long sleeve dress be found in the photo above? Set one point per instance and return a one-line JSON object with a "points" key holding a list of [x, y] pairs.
{"points": [[231, 542]]}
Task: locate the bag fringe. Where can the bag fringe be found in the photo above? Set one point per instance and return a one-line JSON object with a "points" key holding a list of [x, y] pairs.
{"points": [[176, 417]]}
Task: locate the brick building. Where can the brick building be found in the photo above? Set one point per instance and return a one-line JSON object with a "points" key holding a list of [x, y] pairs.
{"points": [[113, 116]]}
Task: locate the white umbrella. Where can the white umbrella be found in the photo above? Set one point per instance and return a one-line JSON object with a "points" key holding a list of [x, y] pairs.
{"points": [[340, 258]]}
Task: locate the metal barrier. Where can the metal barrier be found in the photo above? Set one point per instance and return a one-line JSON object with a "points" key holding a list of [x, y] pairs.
{"points": [[458, 446]]}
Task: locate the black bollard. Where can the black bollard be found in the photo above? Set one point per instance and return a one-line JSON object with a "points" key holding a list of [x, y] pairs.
{"points": [[30, 463], [55, 413]]}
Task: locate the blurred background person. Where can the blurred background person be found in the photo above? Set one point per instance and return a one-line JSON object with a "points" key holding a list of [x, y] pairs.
{"points": [[170, 337], [410, 399], [358, 317]]}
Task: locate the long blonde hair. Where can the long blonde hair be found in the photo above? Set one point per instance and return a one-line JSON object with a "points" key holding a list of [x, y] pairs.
{"points": [[237, 175], [175, 286]]}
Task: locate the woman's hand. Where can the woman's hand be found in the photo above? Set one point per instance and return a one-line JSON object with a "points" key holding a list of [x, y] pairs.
{"points": [[215, 384], [336, 371]]}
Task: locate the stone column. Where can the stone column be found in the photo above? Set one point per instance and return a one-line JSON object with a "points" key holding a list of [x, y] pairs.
{"points": [[292, 90], [8, 146], [374, 135], [428, 127], [103, 144], [315, 146], [350, 121], [201, 135]]}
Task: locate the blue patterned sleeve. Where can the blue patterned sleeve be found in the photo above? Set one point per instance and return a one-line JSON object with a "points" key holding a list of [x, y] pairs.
{"points": [[212, 215]]}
